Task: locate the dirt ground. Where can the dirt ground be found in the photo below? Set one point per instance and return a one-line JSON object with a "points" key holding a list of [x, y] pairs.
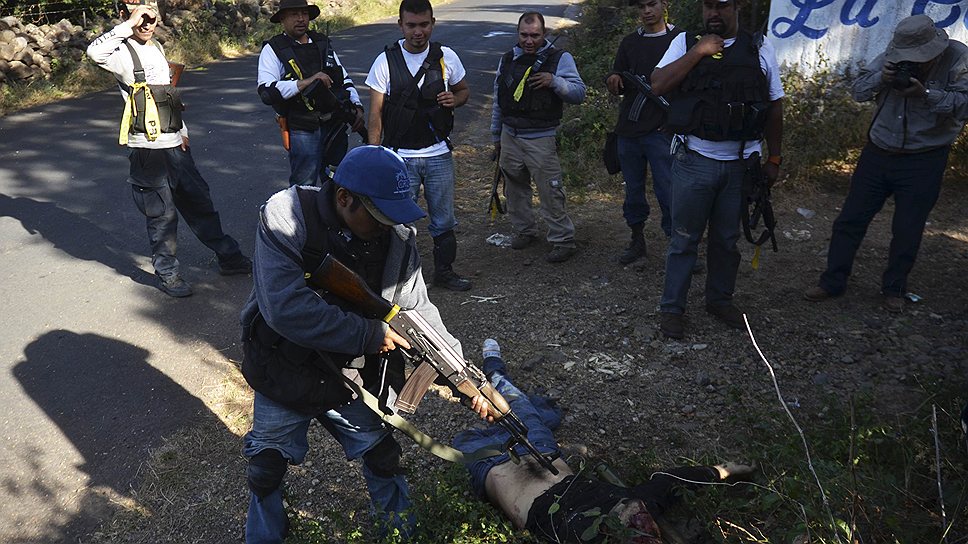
{"points": [[586, 332]]}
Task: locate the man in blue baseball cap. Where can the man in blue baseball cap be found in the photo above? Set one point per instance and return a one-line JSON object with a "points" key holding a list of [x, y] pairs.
{"points": [[364, 219]]}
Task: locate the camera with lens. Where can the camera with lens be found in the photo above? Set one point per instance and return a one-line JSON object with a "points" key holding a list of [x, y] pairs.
{"points": [[903, 72]]}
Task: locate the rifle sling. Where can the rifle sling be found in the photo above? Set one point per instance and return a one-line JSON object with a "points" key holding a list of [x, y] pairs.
{"points": [[445, 452]]}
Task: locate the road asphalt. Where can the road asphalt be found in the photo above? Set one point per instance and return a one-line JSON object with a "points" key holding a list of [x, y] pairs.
{"points": [[98, 365]]}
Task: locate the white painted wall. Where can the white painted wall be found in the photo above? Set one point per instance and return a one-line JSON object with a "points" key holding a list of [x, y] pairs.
{"points": [[847, 33]]}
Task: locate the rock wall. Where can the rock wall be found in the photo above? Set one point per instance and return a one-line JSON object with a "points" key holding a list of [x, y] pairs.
{"points": [[29, 52]]}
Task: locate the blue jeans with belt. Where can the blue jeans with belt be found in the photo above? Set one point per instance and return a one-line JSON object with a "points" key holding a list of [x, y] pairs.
{"points": [[704, 191], [914, 180], [312, 151], [537, 414], [636, 154], [355, 427]]}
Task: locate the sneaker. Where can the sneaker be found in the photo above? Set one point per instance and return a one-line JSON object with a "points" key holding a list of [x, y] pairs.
{"points": [[817, 294], [174, 286], [894, 304], [560, 254], [672, 325], [521, 241], [728, 314], [491, 348], [236, 267], [635, 251], [450, 280]]}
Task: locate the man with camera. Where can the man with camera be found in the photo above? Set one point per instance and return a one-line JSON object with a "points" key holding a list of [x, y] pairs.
{"points": [[920, 84], [163, 176], [302, 78]]}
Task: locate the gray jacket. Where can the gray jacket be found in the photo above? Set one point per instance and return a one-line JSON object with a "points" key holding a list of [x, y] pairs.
{"points": [[914, 124], [295, 311]]}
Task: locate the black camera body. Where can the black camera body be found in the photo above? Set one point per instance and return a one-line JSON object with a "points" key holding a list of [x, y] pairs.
{"points": [[904, 71]]}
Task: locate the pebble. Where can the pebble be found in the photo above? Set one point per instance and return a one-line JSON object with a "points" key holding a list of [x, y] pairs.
{"points": [[688, 409], [847, 360], [702, 379], [821, 379], [700, 347]]}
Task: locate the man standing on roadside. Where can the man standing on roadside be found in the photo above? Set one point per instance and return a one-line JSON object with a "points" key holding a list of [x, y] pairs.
{"points": [[920, 84], [163, 177], [415, 85], [302, 78], [640, 143], [534, 80], [728, 98]]}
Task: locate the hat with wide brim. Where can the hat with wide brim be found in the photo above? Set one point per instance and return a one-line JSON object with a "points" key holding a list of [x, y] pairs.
{"points": [[916, 39], [379, 177], [131, 4], [295, 4]]}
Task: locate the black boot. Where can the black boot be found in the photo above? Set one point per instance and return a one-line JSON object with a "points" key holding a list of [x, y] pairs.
{"points": [[445, 251], [636, 248]]}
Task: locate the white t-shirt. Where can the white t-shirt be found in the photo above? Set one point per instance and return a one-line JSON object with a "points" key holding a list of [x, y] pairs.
{"points": [[727, 151], [379, 80]]}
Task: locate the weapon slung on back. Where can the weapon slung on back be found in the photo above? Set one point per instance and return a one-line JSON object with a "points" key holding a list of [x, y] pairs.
{"points": [[432, 356]]}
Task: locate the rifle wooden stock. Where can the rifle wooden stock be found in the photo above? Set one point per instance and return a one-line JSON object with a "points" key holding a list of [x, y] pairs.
{"points": [[283, 131], [335, 277]]}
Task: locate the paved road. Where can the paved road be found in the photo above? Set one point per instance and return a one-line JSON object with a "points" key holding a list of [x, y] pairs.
{"points": [[98, 366]]}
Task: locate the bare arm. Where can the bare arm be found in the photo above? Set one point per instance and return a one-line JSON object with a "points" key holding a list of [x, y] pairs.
{"points": [[375, 126], [773, 131]]}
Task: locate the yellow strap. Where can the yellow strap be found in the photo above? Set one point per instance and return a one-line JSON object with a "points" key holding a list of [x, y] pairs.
{"points": [[298, 72], [755, 263], [391, 314], [152, 119], [519, 91], [443, 71]]}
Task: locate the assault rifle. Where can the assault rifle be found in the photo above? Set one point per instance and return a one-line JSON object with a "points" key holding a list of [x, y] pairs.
{"points": [[757, 204], [431, 355], [344, 112], [641, 84]]}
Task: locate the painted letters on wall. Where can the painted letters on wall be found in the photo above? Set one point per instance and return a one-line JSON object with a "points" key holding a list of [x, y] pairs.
{"points": [[846, 33]]}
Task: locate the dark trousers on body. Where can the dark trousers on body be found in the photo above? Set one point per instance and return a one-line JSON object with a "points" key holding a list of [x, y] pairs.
{"points": [[164, 183], [914, 179]]}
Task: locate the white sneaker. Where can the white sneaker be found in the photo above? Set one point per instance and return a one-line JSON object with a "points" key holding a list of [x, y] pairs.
{"points": [[491, 348]]}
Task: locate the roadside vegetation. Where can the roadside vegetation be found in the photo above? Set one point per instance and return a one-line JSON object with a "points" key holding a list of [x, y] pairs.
{"points": [[192, 48]]}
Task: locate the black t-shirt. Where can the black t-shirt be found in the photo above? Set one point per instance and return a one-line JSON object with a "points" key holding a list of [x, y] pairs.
{"points": [[639, 54]]}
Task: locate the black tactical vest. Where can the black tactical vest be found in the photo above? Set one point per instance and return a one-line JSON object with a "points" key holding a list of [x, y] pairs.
{"points": [[538, 108], [412, 118], [308, 112], [724, 99]]}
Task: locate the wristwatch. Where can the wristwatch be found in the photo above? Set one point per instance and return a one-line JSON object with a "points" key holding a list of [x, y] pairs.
{"points": [[775, 159]]}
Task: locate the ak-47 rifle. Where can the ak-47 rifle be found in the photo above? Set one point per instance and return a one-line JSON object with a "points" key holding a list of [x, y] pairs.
{"points": [[641, 84], [496, 206], [757, 205], [429, 352]]}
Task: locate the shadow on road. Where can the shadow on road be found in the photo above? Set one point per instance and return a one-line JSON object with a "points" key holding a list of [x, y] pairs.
{"points": [[112, 406], [73, 234]]}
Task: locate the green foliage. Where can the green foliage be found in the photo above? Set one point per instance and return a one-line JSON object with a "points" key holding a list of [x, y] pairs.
{"points": [[50, 11], [878, 473]]}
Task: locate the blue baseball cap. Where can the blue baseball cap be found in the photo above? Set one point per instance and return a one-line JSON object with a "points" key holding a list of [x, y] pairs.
{"points": [[379, 177]]}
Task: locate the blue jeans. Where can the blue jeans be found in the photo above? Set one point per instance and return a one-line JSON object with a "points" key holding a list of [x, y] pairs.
{"points": [[308, 153], [164, 183], [635, 155], [914, 180], [355, 427], [704, 191], [537, 414], [436, 174]]}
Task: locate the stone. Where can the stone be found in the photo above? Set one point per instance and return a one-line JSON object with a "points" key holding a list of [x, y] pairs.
{"points": [[688, 409], [7, 52], [19, 43], [7, 36], [18, 70], [821, 379], [11, 22]]}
